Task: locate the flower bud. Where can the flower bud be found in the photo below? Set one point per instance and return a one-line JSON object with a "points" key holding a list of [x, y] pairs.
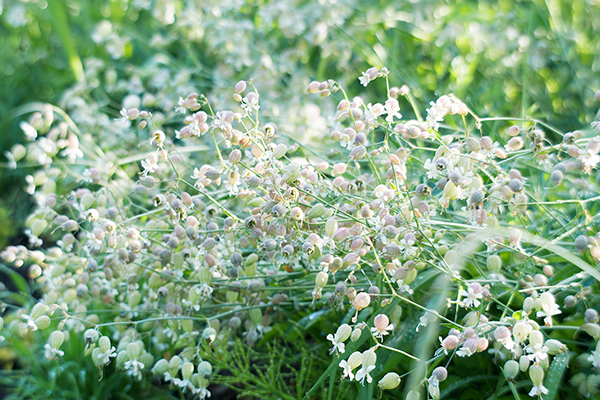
{"points": [[501, 333], [355, 334], [339, 169], [104, 343], [592, 329], [554, 346], [528, 304], [390, 381], [524, 363], [279, 151], [514, 130]]}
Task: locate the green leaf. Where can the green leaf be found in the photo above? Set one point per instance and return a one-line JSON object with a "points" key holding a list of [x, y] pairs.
{"points": [[554, 375], [562, 252], [17, 279]]}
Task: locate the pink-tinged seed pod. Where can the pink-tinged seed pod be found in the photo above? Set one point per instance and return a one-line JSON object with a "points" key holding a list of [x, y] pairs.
{"points": [[486, 143], [357, 243], [339, 169], [133, 113], [240, 87], [351, 259], [361, 301], [381, 322], [482, 344], [450, 342], [514, 144], [440, 373], [573, 151], [313, 87], [514, 130], [341, 234], [502, 333], [358, 152]]}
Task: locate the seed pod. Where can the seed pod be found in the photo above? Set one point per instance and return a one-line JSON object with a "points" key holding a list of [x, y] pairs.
{"points": [[358, 152], [581, 243], [390, 381], [316, 211], [240, 87], [511, 369], [536, 374], [440, 373], [361, 301], [56, 339], [38, 310], [554, 346], [556, 177], [343, 332], [160, 367], [514, 130], [42, 322]]}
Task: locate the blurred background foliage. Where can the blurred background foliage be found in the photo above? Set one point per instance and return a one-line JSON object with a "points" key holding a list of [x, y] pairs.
{"points": [[539, 58]]}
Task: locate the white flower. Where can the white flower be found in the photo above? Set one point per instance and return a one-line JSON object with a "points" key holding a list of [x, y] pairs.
{"points": [[537, 352], [202, 392], [433, 387], [364, 373], [368, 76], [181, 109], [185, 384], [51, 353], [12, 164], [347, 369], [337, 344], [391, 109], [28, 130], [538, 391], [425, 319], [473, 294], [595, 359], [364, 79], [30, 323], [134, 368], [105, 357], [548, 310], [124, 120]]}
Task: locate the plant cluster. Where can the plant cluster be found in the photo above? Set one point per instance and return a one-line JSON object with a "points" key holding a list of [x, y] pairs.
{"points": [[422, 242]]}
